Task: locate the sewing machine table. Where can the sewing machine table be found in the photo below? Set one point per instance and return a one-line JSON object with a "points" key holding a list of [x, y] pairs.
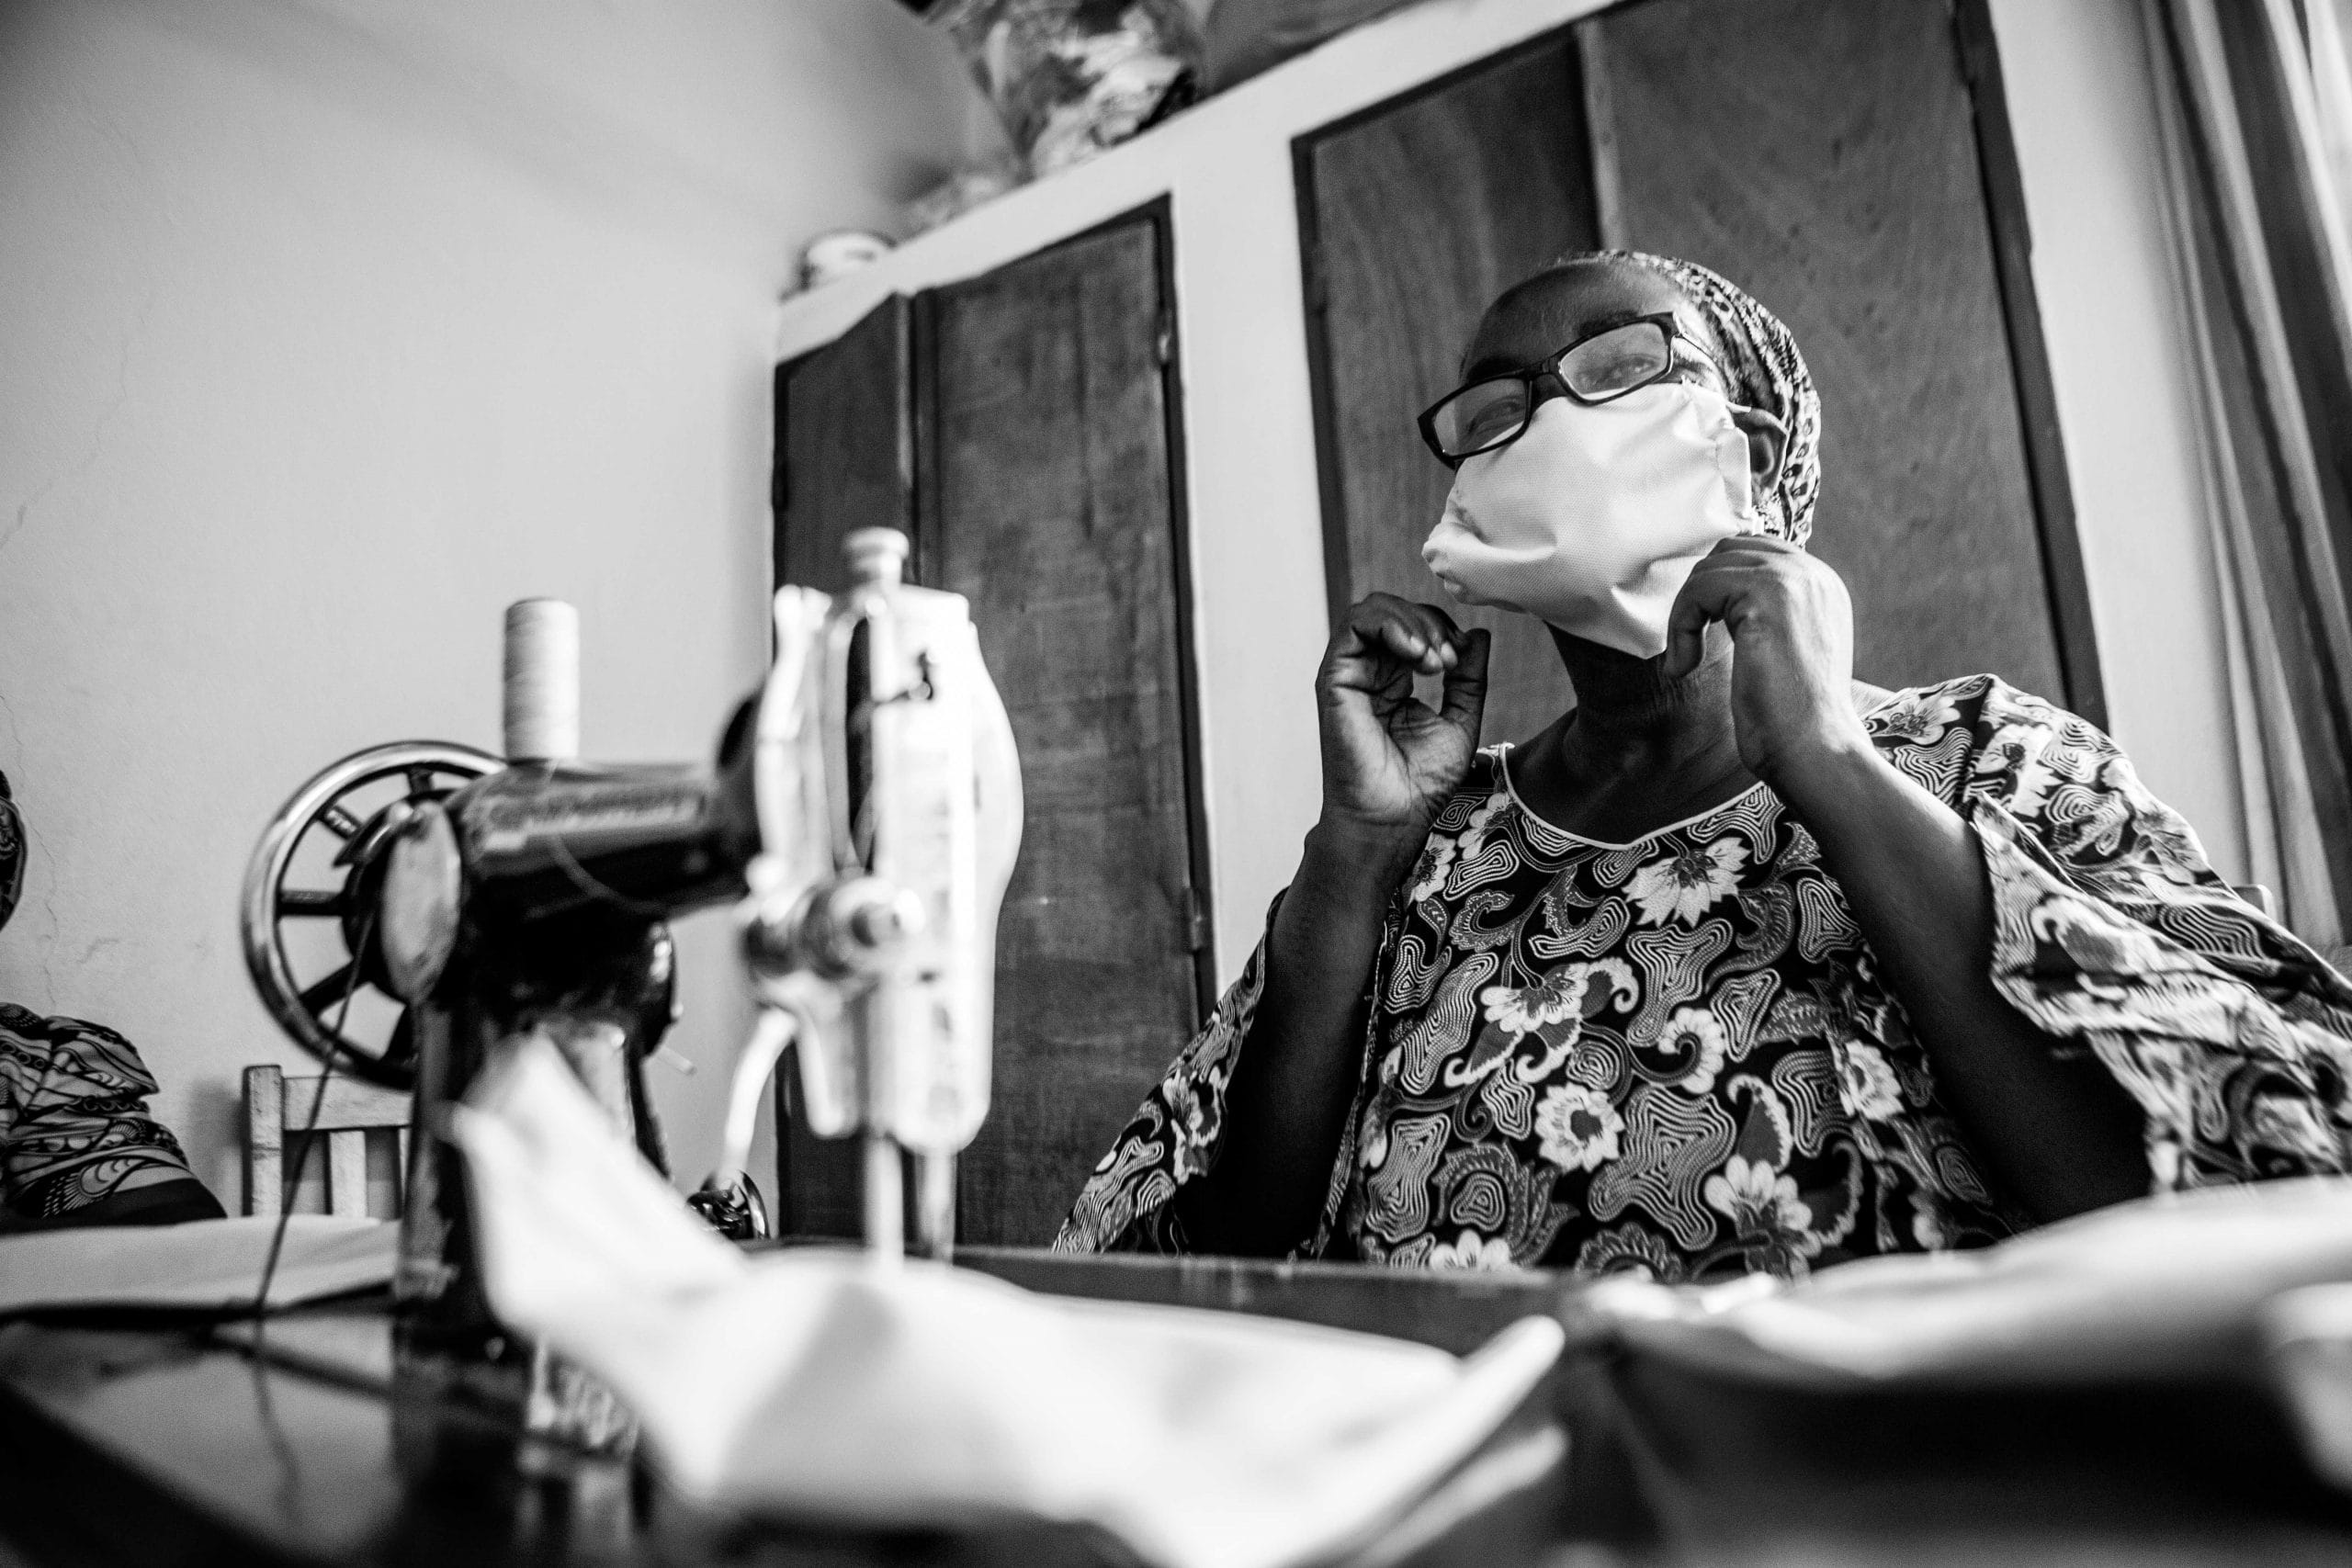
{"points": [[146, 1444]]}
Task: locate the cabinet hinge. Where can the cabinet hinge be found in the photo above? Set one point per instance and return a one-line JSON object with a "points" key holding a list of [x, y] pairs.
{"points": [[1196, 920], [1163, 342]]}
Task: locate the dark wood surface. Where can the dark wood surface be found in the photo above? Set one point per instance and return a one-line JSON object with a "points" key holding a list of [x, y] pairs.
{"points": [[1049, 503], [1822, 155], [844, 447], [148, 1448], [152, 1446], [1019, 427], [1413, 217], [1456, 1313]]}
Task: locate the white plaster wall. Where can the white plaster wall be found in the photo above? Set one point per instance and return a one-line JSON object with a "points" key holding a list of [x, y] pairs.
{"points": [[328, 327], [2081, 101]]}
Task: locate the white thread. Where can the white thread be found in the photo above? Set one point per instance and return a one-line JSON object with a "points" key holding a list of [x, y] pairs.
{"points": [[876, 555], [542, 689]]}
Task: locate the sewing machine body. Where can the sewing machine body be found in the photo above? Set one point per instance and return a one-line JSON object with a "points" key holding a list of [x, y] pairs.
{"points": [[864, 813], [870, 927], [535, 901]]}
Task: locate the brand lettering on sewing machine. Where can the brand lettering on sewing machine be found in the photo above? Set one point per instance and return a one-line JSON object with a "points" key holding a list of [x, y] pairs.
{"points": [[511, 824]]}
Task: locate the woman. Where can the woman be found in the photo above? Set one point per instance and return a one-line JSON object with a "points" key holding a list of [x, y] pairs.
{"points": [[1737, 967]]}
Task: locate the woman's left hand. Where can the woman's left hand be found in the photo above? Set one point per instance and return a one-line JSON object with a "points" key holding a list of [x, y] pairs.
{"points": [[2060, 1133], [1793, 632]]}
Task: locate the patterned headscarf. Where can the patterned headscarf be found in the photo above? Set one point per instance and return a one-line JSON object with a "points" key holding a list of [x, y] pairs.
{"points": [[1767, 372]]}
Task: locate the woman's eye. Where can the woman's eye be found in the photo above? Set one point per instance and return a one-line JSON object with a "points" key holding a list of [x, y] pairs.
{"points": [[1492, 421], [1619, 359], [1490, 416], [1613, 372]]}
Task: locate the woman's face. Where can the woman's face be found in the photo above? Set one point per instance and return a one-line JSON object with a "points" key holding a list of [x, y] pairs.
{"points": [[1538, 319]]}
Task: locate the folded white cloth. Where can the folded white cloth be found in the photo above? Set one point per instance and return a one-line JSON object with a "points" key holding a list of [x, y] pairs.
{"points": [[2308, 1335], [205, 1264], [2171, 1286], [833, 1386]]}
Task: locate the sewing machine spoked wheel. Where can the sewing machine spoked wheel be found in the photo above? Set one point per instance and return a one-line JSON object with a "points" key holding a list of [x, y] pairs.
{"points": [[310, 895]]}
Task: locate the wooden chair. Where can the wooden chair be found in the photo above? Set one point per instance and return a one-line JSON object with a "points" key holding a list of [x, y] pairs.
{"points": [[277, 1106]]}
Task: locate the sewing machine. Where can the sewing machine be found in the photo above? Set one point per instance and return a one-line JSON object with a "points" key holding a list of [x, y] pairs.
{"points": [[863, 815]]}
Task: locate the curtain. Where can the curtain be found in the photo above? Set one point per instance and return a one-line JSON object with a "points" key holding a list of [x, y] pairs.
{"points": [[2254, 102]]}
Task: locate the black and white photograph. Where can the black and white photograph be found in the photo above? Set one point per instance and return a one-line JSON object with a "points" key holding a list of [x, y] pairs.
{"points": [[1175, 784]]}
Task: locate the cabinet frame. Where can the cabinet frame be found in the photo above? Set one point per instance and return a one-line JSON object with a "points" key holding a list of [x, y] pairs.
{"points": [[2065, 579], [923, 372]]}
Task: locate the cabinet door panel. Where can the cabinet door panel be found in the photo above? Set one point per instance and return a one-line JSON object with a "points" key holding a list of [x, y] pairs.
{"points": [[845, 460], [1823, 154], [1047, 499], [1413, 217], [843, 451]]}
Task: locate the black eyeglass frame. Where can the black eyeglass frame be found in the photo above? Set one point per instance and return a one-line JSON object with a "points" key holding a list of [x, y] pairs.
{"points": [[1548, 369]]}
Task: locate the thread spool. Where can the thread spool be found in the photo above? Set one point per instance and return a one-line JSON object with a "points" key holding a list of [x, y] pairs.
{"points": [[876, 555], [542, 686]]}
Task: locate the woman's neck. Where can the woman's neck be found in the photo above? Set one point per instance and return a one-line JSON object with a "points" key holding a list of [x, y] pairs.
{"points": [[1628, 711], [1639, 751]]}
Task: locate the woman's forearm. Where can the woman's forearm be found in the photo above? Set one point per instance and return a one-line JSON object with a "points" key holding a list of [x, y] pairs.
{"points": [[2061, 1135], [1296, 1076]]}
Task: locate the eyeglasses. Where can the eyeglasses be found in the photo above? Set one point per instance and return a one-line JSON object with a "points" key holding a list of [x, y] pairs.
{"points": [[1598, 368]]}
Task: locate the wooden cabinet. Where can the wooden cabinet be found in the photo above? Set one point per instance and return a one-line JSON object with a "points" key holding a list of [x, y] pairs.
{"points": [[1019, 424], [844, 447], [1050, 503], [1412, 217], [1153, 557], [1827, 155]]}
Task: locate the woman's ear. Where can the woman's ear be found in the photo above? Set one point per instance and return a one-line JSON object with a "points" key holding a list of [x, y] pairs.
{"points": [[1767, 444]]}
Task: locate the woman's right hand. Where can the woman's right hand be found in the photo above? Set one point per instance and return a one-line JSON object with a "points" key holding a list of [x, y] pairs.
{"points": [[1388, 766], [1388, 762]]}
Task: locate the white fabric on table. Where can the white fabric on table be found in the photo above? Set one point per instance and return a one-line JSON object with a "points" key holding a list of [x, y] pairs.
{"points": [[826, 1384], [206, 1265], [2163, 1287]]}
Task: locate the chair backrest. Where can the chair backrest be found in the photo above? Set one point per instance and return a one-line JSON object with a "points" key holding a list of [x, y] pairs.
{"points": [[276, 1105]]}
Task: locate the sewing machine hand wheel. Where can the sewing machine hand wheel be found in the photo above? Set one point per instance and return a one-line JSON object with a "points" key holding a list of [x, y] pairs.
{"points": [[362, 802]]}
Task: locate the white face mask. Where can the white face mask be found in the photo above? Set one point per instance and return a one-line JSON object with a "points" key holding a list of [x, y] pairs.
{"points": [[1593, 518]]}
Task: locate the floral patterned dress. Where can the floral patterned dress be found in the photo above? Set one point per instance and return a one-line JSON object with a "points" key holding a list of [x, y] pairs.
{"points": [[1677, 1056]]}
